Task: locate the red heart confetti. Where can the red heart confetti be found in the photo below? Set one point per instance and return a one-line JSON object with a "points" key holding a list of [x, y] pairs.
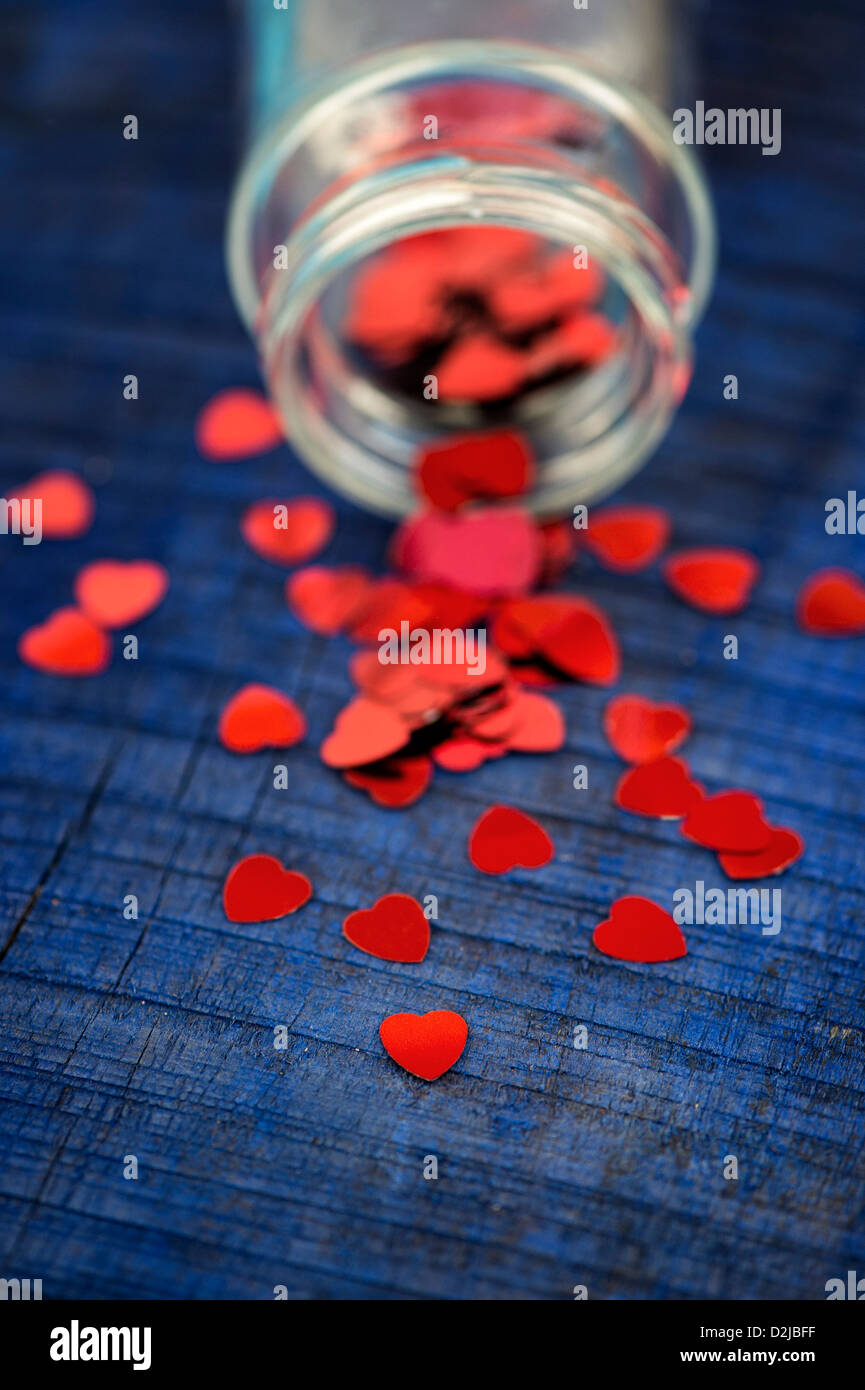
{"points": [[731, 820], [365, 732], [259, 889], [394, 929], [583, 645], [832, 604], [488, 551], [427, 1045], [66, 644], [505, 838], [113, 593], [329, 601], [641, 731], [627, 539], [290, 531], [714, 579], [68, 504], [395, 782], [663, 789], [639, 930], [526, 301], [474, 467], [236, 424], [480, 368], [260, 717], [783, 849]]}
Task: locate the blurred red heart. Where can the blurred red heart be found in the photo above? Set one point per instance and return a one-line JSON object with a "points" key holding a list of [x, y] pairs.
{"points": [[260, 717], [642, 731], [113, 592], [783, 849], [832, 604], [663, 788], [504, 838], [627, 539], [394, 782], [236, 424], [66, 644], [329, 600], [289, 531], [394, 929], [259, 889], [583, 645], [638, 930], [714, 579], [364, 732], [67, 501], [427, 1045], [474, 467], [730, 820]]}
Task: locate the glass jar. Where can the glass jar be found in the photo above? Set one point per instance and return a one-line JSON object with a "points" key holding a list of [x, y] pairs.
{"points": [[374, 121]]}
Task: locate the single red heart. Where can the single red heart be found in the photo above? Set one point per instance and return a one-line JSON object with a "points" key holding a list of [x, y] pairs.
{"points": [[113, 593], [783, 849], [474, 467], [259, 889], [663, 788], [66, 644], [583, 645], [489, 550], [236, 424], [715, 579], [395, 782], [67, 501], [480, 368], [832, 604], [329, 601], [627, 539], [260, 717], [527, 723], [290, 531], [641, 731], [542, 292], [394, 929], [731, 820], [427, 1045], [364, 732], [638, 930], [504, 838]]}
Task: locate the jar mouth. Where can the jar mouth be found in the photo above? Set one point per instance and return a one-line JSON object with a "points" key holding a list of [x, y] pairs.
{"points": [[589, 434]]}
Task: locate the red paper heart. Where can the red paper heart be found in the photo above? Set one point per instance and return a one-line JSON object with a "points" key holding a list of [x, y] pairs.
{"points": [[259, 889], [289, 531], [663, 788], [113, 593], [364, 732], [783, 849], [731, 820], [329, 600], [832, 604], [66, 644], [627, 539], [394, 929], [396, 782], [427, 1045], [67, 501], [474, 467], [714, 579], [504, 838], [642, 731], [527, 723], [638, 930], [260, 717], [236, 424], [583, 645], [480, 368], [489, 550]]}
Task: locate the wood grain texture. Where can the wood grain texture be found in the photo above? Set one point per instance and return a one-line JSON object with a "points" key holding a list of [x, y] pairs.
{"points": [[155, 1037]]}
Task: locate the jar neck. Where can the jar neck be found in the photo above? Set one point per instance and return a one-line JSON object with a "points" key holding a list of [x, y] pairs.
{"points": [[591, 167]]}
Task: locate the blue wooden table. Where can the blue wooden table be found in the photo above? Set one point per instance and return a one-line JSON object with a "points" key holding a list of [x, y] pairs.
{"points": [[154, 1037]]}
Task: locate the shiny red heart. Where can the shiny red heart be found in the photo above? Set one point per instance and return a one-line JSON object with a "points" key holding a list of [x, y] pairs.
{"points": [[394, 929], [474, 467], [480, 368], [641, 731], [731, 820], [329, 601], [832, 604], [583, 645], [364, 732], [627, 539], [714, 579], [113, 593], [66, 644], [260, 717], [289, 531], [67, 501], [783, 849], [638, 930], [427, 1045], [504, 838], [237, 424], [489, 550], [395, 782], [259, 889], [663, 788]]}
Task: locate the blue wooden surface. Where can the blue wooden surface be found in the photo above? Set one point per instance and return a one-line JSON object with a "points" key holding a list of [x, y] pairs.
{"points": [[304, 1168]]}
